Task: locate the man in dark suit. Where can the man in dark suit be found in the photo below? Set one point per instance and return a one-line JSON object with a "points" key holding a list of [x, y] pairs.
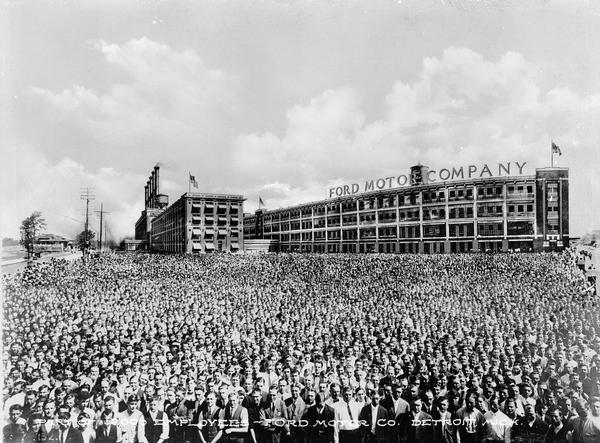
{"points": [[196, 407], [295, 408], [374, 421], [273, 417], [15, 430], [530, 427], [156, 428], [396, 407], [416, 426], [35, 433], [443, 429], [65, 433], [320, 426], [107, 431]]}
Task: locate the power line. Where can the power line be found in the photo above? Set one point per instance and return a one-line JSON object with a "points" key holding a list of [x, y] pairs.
{"points": [[62, 215], [86, 194], [100, 214]]}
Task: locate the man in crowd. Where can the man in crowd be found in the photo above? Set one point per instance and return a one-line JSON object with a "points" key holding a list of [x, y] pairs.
{"points": [[375, 420]]}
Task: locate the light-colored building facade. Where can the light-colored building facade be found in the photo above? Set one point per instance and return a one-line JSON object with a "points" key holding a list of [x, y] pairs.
{"points": [[200, 223], [513, 213]]}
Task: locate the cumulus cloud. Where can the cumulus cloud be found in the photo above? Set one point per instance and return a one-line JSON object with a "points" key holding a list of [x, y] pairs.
{"points": [[167, 105], [168, 100], [462, 109], [31, 182]]}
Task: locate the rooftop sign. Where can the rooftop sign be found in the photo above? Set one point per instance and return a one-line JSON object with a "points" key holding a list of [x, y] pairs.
{"points": [[420, 175]]}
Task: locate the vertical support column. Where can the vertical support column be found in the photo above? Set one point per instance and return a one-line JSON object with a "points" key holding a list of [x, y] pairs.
{"points": [[475, 224], [504, 219], [421, 233], [446, 218]]}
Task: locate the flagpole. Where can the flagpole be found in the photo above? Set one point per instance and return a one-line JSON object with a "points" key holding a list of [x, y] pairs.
{"points": [[189, 183]]}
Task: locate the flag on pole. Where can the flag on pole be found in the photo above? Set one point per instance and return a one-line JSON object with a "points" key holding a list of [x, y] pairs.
{"points": [[556, 149], [261, 203], [193, 181]]}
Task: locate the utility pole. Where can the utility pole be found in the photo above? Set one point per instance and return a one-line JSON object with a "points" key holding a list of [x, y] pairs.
{"points": [[101, 213], [87, 194]]}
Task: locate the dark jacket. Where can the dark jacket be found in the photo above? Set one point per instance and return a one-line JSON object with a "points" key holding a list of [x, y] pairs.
{"points": [[382, 430], [318, 429], [73, 436], [112, 436], [416, 429]]}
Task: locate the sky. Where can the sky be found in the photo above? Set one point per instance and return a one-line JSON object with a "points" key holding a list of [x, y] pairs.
{"points": [[285, 99]]}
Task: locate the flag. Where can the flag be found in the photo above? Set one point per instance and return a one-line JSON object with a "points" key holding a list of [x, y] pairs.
{"points": [[556, 149], [260, 202], [193, 181]]}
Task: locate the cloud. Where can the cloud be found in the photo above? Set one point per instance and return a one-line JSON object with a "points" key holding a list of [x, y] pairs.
{"points": [[462, 109], [168, 99], [32, 183], [168, 105]]}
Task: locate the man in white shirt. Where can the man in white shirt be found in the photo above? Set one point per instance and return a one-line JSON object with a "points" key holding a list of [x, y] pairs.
{"points": [[334, 395], [497, 424], [84, 424], [346, 415], [132, 422]]}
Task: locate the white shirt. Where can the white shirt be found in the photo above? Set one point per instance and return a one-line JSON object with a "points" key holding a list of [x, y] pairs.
{"points": [[347, 415], [374, 410], [497, 426], [132, 427], [87, 434]]}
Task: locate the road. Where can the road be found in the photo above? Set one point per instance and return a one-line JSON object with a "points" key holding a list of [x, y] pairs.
{"points": [[12, 268]]}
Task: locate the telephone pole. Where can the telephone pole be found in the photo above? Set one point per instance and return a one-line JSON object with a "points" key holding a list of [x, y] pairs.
{"points": [[87, 194], [100, 214]]}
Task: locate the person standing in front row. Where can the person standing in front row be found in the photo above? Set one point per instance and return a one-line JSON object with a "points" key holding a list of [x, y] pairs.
{"points": [[233, 422], [320, 427], [374, 420]]}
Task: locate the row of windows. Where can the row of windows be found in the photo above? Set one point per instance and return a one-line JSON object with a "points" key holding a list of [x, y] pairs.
{"points": [[413, 231], [409, 199], [433, 213], [429, 213]]}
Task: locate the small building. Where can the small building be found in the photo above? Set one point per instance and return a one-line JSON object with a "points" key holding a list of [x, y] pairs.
{"points": [[132, 245], [53, 242]]}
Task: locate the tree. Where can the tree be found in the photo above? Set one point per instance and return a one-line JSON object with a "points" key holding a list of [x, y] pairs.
{"points": [[30, 229], [80, 239]]}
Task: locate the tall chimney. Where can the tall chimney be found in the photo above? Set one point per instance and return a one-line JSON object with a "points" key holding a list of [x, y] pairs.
{"points": [[151, 196], [146, 195], [156, 169]]}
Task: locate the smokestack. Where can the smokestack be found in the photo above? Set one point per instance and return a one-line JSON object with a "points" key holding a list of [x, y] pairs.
{"points": [[156, 169], [153, 189], [146, 195], [151, 196]]}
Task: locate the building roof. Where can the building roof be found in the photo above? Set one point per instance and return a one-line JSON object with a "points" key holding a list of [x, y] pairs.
{"points": [[51, 237]]}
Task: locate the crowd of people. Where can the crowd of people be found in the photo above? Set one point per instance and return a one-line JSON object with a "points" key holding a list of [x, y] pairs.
{"points": [[302, 348]]}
